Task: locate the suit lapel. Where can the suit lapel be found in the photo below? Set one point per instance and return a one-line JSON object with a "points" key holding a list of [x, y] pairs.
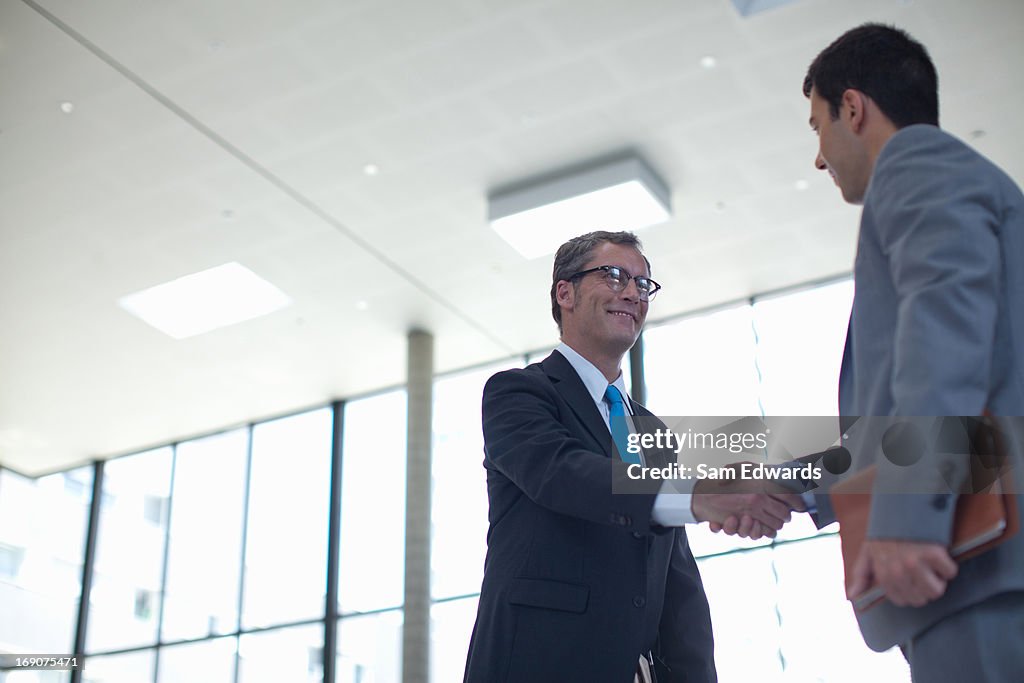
{"points": [[569, 385]]}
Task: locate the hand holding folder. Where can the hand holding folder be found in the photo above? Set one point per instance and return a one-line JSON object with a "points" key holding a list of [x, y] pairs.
{"points": [[982, 520]]}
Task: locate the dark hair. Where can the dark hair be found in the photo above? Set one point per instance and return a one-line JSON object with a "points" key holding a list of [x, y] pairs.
{"points": [[572, 256], [884, 63]]}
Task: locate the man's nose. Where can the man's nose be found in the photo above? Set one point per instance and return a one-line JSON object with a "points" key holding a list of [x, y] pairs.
{"points": [[631, 291], [819, 163]]}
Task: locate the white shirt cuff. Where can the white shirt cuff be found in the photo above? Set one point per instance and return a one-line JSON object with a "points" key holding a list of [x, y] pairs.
{"points": [[672, 504]]}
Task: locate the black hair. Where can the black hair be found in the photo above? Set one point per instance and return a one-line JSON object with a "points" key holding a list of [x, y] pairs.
{"points": [[884, 63]]}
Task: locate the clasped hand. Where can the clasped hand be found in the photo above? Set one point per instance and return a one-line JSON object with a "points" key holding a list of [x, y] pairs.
{"points": [[747, 508]]}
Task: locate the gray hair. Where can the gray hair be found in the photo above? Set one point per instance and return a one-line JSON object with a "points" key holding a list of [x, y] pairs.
{"points": [[572, 256]]}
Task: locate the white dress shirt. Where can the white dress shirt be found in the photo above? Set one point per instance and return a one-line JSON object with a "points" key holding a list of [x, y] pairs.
{"points": [[672, 505]]}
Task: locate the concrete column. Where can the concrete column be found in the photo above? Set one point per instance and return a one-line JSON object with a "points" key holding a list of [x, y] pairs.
{"points": [[416, 631]]}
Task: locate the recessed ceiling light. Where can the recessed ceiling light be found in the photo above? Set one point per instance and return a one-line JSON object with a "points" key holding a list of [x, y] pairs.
{"points": [[67, 107], [977, 134], [623, 194], [720, 207], [371, 169], [801, 185], [205, 301], [708, 62], [362, 305], [216, 46], [227, 214]]}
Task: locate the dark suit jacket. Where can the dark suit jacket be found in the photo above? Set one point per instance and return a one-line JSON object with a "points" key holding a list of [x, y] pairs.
{"points": [[577, 583], [937, 328]]}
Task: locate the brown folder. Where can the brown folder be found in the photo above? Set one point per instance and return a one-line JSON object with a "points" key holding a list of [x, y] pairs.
{"points": [[982, 521]]}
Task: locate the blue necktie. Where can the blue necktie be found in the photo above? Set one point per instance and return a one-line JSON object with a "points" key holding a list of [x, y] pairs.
{"points": [[617, 423]]}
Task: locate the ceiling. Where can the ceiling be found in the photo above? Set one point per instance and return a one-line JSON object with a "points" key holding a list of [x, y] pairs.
{"points": [[209, 131]]}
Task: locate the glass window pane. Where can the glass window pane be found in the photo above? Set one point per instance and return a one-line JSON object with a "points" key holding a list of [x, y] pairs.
{"points": [[742, 592], [812, 602], [705, 542], [35, 676], [451, 625], [800, 349], [372, 558], [133, 667], [205, 551], [286, 543], [703, 365], [370, 648], [291, 654], [42, 540], [208, 661], [125, 599], [459, 497]]}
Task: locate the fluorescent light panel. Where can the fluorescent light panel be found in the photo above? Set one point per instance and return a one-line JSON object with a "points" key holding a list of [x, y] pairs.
{"points": [[205, 301], [623, 194]]}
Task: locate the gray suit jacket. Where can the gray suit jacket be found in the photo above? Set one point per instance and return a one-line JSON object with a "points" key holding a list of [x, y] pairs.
{"points": [[937, 328]]}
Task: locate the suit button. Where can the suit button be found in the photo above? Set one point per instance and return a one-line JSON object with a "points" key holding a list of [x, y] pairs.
{"points": [[940, 501], [639, 601], [637, 534]]}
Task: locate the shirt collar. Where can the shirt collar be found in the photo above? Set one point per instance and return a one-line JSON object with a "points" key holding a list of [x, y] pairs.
{"points": [[592, 378]]}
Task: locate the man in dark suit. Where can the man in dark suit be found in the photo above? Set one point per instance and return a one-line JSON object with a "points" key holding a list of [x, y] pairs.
{"points": [[937, 329], [582, 583]]}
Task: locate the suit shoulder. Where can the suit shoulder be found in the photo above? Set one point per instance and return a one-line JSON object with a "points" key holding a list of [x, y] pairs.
{"points": [[532, 374], [925, 161], [932, 151]]}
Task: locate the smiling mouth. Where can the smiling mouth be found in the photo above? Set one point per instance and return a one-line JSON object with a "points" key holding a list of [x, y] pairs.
{"points": [[623, 314]]}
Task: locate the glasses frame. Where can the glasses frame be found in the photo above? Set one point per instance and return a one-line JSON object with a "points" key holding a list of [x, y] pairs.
{"points": [[648, 296]]}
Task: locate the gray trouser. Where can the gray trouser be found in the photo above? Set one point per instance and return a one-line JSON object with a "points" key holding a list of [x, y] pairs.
{"points": [[981, 644]]}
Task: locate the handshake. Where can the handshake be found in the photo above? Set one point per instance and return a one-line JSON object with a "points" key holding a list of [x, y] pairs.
{"points": [[749, 508]]}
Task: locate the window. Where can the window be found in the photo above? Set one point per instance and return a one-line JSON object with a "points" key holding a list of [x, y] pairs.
{"points": [[281, 655], [800, 348], [370, 648], [286, 542], [459, 497], [11, 558], [130, 553], [206, 661], [703, 365], [204, 555], [133, 667], [372, 557], [42, 541]]}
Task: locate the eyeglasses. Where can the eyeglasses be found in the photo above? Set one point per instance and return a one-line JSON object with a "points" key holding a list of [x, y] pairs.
{"points": [[617, 278]]}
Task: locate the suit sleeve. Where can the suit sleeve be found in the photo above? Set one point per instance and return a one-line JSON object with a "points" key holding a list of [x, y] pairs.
{"points": [[526, 440], [937, 221]]}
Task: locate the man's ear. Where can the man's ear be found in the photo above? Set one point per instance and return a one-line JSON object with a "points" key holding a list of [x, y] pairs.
{"points": [[565, 295], [853, 108]]}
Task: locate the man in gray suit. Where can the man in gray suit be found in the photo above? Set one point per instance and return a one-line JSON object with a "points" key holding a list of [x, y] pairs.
{"points": [[937, 329]]}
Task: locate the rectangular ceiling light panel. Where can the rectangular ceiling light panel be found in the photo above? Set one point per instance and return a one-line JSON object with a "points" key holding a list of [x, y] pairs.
{"points": [[619, 195], [205, 301]]}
